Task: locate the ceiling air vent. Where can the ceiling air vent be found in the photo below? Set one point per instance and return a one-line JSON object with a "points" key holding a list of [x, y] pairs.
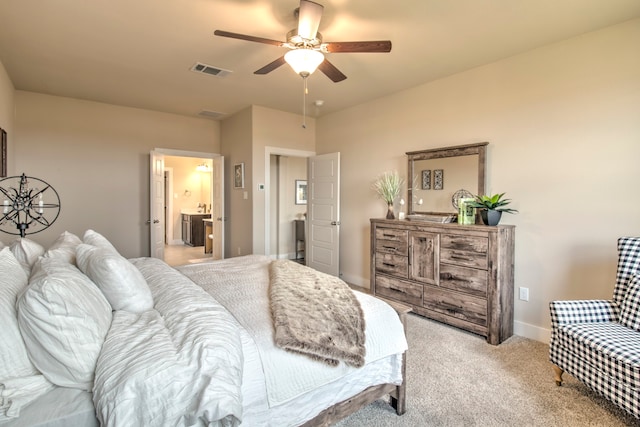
{"points": [[210, 114], [199, 67]]}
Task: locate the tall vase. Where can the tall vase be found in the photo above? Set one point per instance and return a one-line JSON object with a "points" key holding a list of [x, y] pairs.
{"points": [[390, 214]]}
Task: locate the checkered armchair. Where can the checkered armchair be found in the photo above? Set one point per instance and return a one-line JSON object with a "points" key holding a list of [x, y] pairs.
{"points": [[598, 341]]}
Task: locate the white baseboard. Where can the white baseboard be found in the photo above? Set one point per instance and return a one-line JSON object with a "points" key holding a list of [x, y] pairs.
{"points": [[531, 331], [356, 280]]}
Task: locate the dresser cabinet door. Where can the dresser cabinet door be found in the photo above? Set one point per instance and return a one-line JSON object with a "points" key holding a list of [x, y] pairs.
{"points": [[423, 257]]}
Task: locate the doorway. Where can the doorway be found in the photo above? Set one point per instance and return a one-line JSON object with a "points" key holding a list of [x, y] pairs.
{"points": [[287, 211], [192, 186]]}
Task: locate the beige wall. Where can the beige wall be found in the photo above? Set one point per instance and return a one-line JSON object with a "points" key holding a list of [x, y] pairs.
{"points": [[236, 134], [97, 157], [564, 133]]}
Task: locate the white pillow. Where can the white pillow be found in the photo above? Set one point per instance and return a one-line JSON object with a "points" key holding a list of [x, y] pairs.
{"points": [[120, 281], [64, 247], [26, 252], [64, 319], [96, 239], [20, 382]]}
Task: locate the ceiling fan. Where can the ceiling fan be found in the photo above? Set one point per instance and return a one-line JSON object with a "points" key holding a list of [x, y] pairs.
{"points": [[307, 47]]}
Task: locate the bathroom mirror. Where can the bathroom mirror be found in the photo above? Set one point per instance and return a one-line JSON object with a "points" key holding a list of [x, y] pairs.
{"points": [[435, 175]]}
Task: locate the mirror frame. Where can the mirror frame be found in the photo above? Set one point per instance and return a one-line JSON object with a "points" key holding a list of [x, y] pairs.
{"points": [[437, 153]]}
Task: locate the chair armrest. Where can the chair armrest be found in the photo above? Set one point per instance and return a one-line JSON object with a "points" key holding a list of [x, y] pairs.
{"points": [[582, 311]]}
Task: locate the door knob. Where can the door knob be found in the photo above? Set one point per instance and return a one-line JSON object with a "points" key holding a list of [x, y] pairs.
{"points": [[335, 222], [156, 221]]}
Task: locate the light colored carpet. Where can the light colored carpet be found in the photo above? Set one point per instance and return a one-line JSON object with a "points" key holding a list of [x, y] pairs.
{"points": [[456, 379]]}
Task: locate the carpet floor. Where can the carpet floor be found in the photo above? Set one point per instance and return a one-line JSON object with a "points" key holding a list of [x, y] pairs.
{"points": [[455, 378]]}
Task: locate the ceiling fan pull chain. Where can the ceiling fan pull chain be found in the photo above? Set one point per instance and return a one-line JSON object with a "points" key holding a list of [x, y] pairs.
{"points": [[304, 102]]}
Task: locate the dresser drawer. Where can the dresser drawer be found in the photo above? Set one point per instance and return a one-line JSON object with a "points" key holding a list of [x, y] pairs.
{"points": [[462, 306], [468, 280], [399, 290], [392, 247], [468, 251], [392, 264], [389, 240]]}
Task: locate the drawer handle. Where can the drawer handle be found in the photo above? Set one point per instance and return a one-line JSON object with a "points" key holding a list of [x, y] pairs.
{"points": [[393, 248], [386, 264], [446, 276], [460, 258], [388, 235], [395, 289]]}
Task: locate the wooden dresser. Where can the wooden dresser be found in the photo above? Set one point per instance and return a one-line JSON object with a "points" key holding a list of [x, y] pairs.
{"points": [[461, 275]]}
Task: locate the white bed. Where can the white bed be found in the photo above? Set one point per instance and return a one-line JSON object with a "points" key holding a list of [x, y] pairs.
{"points": [[296, 392]]}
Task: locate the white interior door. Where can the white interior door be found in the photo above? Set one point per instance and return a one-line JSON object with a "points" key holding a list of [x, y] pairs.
{"points": [[217, 207], [156, 205], [323, 213]]}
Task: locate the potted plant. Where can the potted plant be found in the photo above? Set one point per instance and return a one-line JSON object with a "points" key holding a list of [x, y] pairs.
{"points": [[388, 186], [491, 207]]}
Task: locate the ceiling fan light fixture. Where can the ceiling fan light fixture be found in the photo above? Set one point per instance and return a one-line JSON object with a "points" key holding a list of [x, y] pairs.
{"points": [[304, 61]]}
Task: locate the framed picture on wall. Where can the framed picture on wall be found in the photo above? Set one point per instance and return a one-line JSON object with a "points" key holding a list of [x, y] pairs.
{"points": [[238, 175], [3, 153], [301, 192]]}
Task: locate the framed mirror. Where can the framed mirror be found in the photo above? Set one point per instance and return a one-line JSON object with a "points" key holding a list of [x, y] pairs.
{"points": [[435, 175]]}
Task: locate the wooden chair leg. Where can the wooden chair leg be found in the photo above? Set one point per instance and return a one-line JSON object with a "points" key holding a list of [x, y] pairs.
{"points": [[557, 374]]}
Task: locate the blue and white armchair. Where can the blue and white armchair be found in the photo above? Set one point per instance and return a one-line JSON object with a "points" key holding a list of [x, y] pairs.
{"points": [[598, 341]]}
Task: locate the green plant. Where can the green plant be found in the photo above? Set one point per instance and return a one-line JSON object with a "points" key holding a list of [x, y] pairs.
{"points": [[492, 203], [388, 186]]}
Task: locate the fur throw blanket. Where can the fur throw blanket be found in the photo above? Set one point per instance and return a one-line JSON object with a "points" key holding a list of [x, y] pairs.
{"points": [[316, 314]]}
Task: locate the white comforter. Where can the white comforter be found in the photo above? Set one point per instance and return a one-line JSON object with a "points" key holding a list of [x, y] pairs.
{"points": [[235, 281], [179, 364]]}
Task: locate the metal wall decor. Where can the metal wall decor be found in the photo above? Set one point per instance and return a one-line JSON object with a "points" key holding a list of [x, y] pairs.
{"points": [[29, 205], [426, 179], [438, 179]]}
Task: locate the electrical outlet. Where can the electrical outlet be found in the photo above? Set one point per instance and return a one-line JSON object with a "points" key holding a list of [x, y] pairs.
{"points": [[524, 294]]}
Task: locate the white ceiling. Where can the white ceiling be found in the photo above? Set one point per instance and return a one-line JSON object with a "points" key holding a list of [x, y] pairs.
{"points": [[138, 52]]}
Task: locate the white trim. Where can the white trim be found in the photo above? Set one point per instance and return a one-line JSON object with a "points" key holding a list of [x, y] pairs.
{"points": [[168, 197], [532, 332], [267, 181], [183, 153]]}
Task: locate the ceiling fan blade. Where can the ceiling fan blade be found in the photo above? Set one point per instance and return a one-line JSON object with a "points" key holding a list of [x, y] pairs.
{"points": [[354, 47], [331, 71], [248, 38], [309, 16], [271, 66]]}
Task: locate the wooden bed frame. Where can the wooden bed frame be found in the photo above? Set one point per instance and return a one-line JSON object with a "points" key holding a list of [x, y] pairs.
{"points": [[397, 393]]}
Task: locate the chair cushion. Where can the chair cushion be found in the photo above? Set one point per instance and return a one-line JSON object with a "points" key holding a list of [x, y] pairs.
{"points": [[609, 347], [630, 307]]}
